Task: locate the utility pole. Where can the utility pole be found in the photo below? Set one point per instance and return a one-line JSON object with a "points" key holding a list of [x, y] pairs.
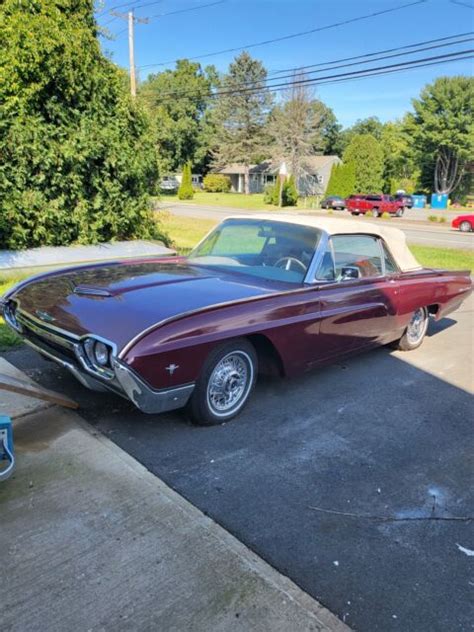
{"points": [[131, 44], [131, 54]]}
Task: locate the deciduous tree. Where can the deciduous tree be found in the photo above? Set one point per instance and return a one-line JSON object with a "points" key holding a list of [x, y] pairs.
{"points": [[294, 128], [177, 101], [442, 131]]}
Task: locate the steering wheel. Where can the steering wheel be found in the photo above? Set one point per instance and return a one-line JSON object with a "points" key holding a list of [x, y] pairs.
{"points": [[287, 262]]}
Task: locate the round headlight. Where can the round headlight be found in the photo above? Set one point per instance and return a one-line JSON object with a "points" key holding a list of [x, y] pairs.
{"points": [[101, 353]]}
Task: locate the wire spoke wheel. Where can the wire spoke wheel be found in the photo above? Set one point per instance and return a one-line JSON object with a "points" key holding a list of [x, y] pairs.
{"points": [[417, 327], [229, 383]]}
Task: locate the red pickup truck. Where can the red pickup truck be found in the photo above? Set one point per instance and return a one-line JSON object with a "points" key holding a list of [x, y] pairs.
{"points": [[376, 203]]}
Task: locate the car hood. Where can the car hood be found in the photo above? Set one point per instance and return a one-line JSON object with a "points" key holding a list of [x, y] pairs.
{"points": [[119, 300]]}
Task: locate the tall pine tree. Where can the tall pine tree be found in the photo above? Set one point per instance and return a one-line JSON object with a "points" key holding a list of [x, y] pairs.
{"points": [[242, 111]]}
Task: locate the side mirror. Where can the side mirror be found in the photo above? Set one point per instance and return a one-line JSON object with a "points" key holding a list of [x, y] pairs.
{"points": [[349, 272]]}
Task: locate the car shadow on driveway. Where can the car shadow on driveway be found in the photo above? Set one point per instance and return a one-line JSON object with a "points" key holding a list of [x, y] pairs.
{"points": [[354, 480]]}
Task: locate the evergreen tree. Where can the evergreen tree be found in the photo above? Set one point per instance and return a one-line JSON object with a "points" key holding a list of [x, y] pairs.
{"points": [[366, 153], [241, 114], [185, 191], [76, 162], [290, 192], [342, 180]]}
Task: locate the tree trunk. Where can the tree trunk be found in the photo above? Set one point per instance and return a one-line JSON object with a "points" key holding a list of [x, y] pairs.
{"points": [[448, 172], [247, 180]]}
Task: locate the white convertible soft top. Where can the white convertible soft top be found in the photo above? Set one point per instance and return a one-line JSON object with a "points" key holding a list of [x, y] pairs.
{"points": [[393, 237]]}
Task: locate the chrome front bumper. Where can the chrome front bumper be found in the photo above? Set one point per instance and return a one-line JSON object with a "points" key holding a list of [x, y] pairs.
{"points": [[127, 384], [125, 381]]}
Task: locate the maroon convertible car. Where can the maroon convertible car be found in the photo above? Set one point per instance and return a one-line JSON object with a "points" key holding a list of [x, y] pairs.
{"points": [[268, 293]]}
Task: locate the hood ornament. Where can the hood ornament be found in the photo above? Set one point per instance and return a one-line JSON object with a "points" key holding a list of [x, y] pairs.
{"points": [[44, 316], [172, 368]]}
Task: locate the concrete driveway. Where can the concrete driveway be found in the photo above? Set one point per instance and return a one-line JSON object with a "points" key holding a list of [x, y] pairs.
{"points": [[355, 481]]}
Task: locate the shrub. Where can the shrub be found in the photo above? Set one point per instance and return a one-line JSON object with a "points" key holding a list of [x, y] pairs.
{"points": [[269, 194], [185, 191], [216, 183], [386, 215], [432, 218], [442, 219], [369, 214], [330, 212]]}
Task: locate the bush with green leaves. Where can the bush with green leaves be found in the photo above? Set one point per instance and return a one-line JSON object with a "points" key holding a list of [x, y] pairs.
{"points": [[386, 215], [186, 191], [269, 194], [76, 162], [216, 183]]}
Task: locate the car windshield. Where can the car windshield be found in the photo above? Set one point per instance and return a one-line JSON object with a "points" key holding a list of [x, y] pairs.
{"points": [[271, 250]]}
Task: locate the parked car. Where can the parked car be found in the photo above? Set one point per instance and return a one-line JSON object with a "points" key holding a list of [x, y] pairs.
{"points": [[465, 223], [406, 200], [375, 203], [279, 294], [169, 184], [334, 202]]}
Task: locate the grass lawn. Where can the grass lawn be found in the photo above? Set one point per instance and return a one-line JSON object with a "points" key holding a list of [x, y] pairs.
{"points": [[185, 232], [449, 258], [7, 337], [252, 202]]}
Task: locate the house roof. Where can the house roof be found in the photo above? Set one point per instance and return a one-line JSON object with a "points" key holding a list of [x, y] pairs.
{"points": [[393, 237], [312, 164]]}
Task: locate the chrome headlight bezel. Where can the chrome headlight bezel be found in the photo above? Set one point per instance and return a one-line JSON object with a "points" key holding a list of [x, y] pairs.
{"points": [[86, 352]]}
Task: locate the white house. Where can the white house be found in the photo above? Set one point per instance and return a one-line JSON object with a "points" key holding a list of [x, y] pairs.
{"points": [[314, 182]]}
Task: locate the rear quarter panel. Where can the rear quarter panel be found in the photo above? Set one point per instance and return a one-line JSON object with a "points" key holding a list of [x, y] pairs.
{"points": [[441, 289]]}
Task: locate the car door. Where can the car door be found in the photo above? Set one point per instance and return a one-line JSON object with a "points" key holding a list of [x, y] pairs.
{"points": [[358, 290]]}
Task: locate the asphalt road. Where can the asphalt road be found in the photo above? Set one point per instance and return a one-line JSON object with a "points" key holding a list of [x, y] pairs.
{"points": [[355, 480], [437, 236]]}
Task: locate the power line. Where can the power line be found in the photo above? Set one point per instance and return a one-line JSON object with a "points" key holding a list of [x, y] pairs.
{"points": [[462, 4], [335, 67], [294, 35], [163, 15], [380, 52], [129, 6], [338, 78], [200, 6]]}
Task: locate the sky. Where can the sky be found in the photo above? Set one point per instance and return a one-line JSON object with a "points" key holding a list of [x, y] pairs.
{"points": [[238, 23]]}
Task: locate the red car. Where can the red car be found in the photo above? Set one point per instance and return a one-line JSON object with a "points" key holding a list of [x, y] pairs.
{"points": [[375, 203], [280, 294], [465, 223]]}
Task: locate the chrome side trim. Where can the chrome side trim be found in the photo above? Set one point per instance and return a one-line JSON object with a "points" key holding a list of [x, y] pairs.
{"points": [[249, 299]]}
